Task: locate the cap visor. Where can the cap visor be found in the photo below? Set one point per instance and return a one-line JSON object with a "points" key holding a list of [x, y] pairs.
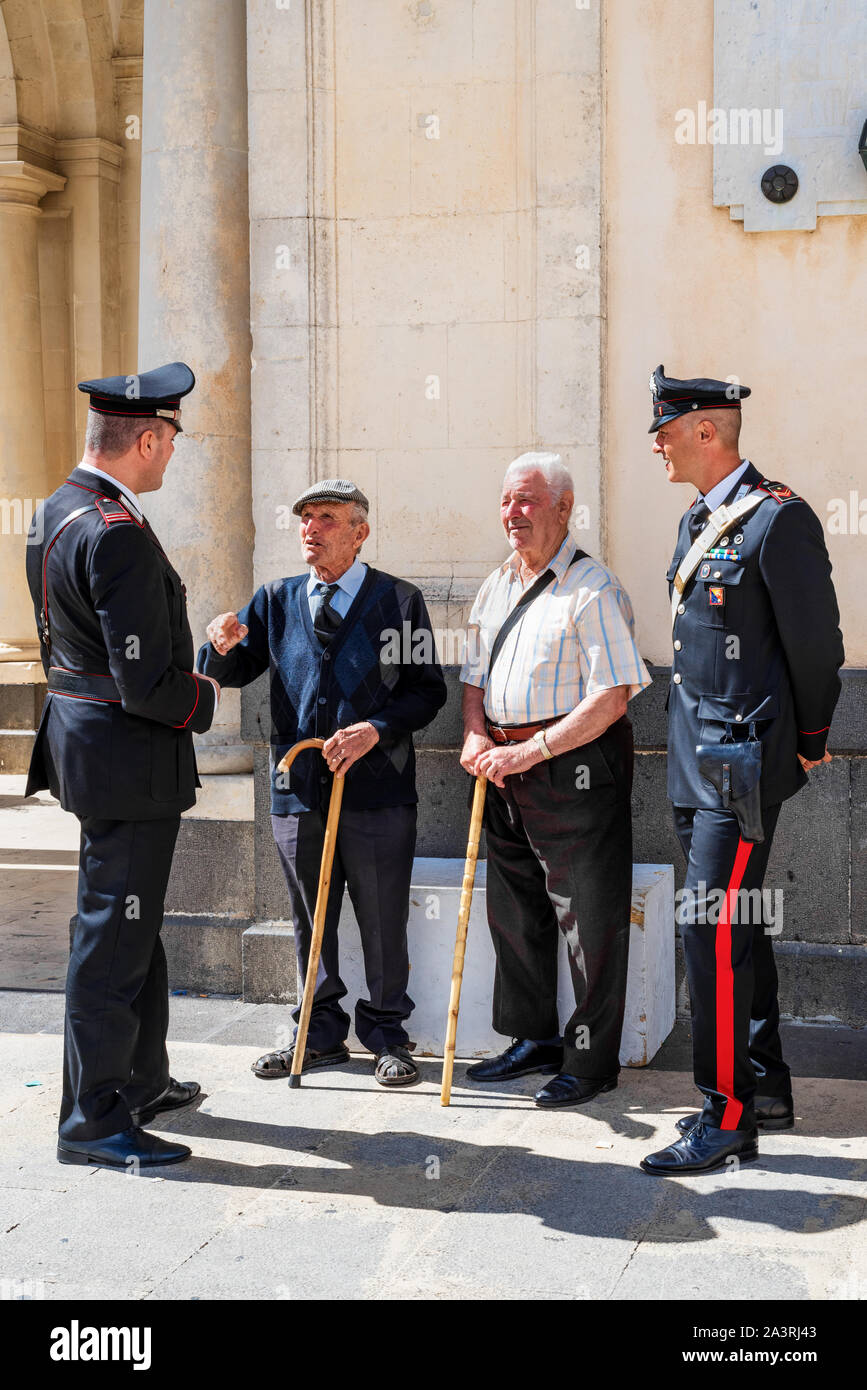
{"points": [[665, 420]]}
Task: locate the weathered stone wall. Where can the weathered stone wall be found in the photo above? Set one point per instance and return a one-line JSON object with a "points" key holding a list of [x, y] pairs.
{"points": [[687, 286], [424, 178]]}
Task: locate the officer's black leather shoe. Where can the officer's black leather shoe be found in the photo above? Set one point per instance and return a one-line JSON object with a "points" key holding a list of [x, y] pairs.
{"points": [[177, 1096], [702, 1150], [566, 1089], [771, 1113], [130, 1148], [523, 1057]]}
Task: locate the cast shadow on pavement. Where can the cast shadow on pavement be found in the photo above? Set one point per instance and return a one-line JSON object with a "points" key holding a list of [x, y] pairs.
{"points": [[395, 1169]]}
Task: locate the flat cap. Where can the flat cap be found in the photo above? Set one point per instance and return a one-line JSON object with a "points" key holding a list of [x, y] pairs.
{"points": [[147, 395], [331, 490], [672, 397]]}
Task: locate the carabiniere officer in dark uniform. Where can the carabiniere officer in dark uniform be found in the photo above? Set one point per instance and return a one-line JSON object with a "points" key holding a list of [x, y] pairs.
{"points": [[115, 745], [757, 649]]}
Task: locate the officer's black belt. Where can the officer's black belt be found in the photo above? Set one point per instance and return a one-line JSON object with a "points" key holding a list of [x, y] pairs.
{"points": [[82, 685]]}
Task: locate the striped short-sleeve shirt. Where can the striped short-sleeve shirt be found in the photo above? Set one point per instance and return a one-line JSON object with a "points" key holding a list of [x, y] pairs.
{"points": [[574, 639]]}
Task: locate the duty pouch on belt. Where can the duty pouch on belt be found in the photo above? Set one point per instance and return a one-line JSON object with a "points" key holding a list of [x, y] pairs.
{"points": [[735, 769]]}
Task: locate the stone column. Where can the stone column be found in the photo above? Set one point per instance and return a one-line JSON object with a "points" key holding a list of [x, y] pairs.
{"points": [[26, 476], [194, 306]]}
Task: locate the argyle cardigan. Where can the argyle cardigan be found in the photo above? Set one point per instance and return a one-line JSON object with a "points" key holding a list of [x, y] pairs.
{"points": [[368, 672]]}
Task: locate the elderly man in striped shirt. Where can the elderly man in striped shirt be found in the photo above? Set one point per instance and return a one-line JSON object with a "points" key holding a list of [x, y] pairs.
{"points": [[546, 724]]}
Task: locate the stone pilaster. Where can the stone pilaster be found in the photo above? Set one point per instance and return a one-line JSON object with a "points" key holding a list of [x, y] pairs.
{"points": [[128, 91], [26, 478], [194, 305]]}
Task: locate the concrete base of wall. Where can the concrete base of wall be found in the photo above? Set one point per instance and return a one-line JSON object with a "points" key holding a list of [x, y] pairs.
{"points": [[226, 930], [21, 700], [268, 967]]}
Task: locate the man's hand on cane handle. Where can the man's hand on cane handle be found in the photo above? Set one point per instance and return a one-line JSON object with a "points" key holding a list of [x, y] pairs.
{"points": [[225, 632], [348, 745], [474, 746]]}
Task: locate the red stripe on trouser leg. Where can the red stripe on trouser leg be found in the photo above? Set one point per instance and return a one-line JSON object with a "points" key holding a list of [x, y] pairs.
{"points": [[725, 993]]}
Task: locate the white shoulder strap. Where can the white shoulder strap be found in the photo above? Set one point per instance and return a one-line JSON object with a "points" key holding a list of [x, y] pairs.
{"points": [[723, 519]]}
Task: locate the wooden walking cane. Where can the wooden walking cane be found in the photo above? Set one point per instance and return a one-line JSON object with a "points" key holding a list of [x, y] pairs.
{"points": [[461, 936], [325, 867]]}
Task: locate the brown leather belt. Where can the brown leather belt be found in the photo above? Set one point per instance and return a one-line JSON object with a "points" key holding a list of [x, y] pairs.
{"points": [[515, 733]]}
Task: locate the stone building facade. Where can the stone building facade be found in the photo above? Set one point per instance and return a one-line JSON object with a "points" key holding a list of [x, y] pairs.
{"points": [[405, 240]]}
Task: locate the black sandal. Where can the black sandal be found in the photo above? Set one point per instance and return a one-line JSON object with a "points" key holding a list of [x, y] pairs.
{"points": [[395, 1067], [273, 1065]]}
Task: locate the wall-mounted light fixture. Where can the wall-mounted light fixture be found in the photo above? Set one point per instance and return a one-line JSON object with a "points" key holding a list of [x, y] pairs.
{"points": [[862, 146], [779, 183]]}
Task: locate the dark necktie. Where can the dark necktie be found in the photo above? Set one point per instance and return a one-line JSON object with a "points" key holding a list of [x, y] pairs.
{"points": [[325, 620], [696, 519]]}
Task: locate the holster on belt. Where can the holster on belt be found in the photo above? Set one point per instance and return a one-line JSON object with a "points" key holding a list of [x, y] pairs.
{"points": [[735, 770]]}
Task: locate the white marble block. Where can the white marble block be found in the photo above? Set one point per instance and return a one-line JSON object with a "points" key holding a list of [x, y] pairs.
{"points": [[436, 885]]}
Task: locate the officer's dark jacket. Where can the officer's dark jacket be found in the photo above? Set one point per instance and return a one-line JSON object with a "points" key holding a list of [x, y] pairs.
{"points": [[363, 675], [119, 744], [769, 651]]}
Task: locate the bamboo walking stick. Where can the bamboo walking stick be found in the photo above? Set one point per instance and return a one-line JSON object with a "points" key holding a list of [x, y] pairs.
{"points": [[325, 867], [461, 936]]}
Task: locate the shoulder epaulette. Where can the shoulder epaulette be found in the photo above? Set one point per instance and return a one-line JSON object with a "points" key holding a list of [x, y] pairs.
{"points": [[112, 511], [779, 491]]}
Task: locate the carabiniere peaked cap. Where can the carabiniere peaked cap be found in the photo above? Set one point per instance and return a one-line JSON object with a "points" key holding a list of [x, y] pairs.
{"points": [[672, 397], [331, 490], [147, 395]]}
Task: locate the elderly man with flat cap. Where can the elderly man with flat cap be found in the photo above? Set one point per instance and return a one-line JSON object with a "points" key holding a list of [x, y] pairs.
{"points": [[115, 745], [757, 648], [337, 673]]}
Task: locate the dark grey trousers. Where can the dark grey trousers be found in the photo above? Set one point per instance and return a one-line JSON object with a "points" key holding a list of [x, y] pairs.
{"points": [[374, 861], [560, 860], [117, 999]]}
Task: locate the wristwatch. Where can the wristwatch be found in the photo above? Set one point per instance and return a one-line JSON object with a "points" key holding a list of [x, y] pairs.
{"points": [[540, 739]]}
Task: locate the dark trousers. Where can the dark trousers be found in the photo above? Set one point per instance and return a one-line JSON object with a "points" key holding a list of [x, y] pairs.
{"points": [[730, 966], [560, 860], [117, 1008], [374, 861]]}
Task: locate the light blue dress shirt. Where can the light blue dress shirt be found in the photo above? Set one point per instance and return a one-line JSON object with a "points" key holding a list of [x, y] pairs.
{"points": [[348, 584], [718, 494]]}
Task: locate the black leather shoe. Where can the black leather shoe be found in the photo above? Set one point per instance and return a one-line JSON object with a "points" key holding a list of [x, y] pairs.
{"points": [[177, 1096], [566, 1089], [523, 1057], [771, 1113], [129, 1149], [702, 1150]]}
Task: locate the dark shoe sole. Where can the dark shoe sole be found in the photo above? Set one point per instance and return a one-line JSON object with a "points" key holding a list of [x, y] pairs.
{"points": [[85, 1160], [582, 1100], [551, 1070], [141, 1118], [780, 1122], [398, 1080], [335, 1060], [767, 1126], [746, 1156]]}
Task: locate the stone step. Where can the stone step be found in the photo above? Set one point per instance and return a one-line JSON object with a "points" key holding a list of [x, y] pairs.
{"points": [[16, 745], [269, 963]]}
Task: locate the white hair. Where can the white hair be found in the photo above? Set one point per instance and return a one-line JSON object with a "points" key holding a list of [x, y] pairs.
{"points": [[551, 467]]}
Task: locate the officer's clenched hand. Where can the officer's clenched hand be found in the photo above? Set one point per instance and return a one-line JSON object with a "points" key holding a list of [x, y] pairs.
{"points": [[348, 745], [474, 746], [225, 632], [808, 766]]}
